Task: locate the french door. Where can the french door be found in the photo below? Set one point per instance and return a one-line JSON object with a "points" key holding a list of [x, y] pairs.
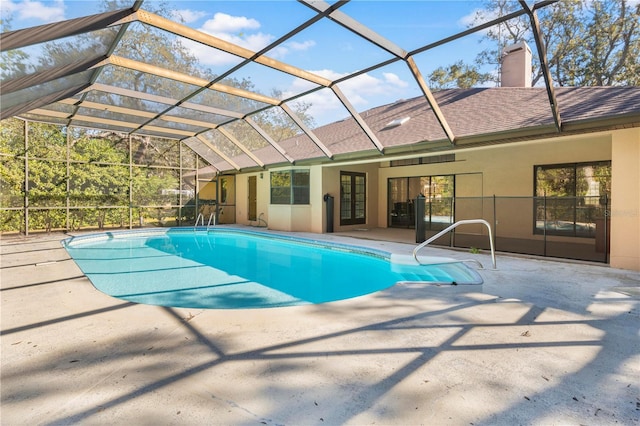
{"points": [[353, 199]]}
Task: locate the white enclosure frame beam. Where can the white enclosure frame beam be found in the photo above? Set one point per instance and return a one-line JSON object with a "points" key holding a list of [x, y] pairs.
{"points": [[269, 139], [240, 145], [307, 130], [218, 152], [359, 120], [431, 99]]}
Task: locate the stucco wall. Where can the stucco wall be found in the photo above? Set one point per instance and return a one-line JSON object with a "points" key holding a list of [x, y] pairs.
{"points": [[331, 185], [242, 197], [207, 191], [625, 203], [507, 170], [501, 170], [280, 217]]}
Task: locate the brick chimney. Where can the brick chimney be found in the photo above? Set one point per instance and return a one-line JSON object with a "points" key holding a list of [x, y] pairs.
{"points": [[516, 66]]}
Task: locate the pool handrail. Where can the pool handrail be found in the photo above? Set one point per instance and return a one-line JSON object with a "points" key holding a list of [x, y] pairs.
{"points": [[197, 219], [453, 226], [212, 217]]}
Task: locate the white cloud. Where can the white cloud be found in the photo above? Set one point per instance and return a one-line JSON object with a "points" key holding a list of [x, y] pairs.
{"points": [[328, 74], [210, 56], [298, 85], [305, 45], [7, 7], [241, 31], [253, 42], [187, 15], [284, 49], [325, 107], [224, 23], [365, 88], [27, 9], [394, 80], [238, 30], [360, 88], [468, 19]]}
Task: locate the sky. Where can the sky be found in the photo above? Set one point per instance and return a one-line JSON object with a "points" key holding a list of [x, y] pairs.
{"points": [[326, 48]]}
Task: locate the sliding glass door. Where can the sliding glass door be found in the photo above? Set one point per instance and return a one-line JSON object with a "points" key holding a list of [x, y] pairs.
{"points": [[438, 192]]}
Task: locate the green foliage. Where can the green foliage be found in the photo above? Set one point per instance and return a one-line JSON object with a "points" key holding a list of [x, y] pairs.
{"points": [[13, 63], [11, 181], [12, 136], [278, 124], [555, 182], [458, 75], [11, 166], [573, 180], [94, 182], [611, 54]]}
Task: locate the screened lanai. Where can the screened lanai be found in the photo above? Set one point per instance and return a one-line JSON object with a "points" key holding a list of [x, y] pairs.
{"points": [[145, 98], [107, 71]]}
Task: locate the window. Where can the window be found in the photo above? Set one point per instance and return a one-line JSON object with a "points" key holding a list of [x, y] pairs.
{"points": [[571, 197], [290, 187], [444, 158]]}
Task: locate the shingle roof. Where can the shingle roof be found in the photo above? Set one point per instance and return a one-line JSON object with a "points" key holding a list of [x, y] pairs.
{"points": [[484, 111], [501, 112]]}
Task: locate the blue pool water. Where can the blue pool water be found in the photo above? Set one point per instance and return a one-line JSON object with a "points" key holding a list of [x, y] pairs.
{"points": [[227, 269]]}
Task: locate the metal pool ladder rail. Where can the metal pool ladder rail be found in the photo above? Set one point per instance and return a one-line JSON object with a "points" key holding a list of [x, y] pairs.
{"points": [[200, 216], [453, 226]]}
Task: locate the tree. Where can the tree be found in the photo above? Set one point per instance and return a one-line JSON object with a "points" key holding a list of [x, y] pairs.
{"points": [[595, 43], [47, 184], [459, 75], [588, 43], [613, 44], [13, 63], [11, 174]]}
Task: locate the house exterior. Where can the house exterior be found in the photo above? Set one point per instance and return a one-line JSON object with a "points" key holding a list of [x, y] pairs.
{"points": [[504, 169], [509, 153]]}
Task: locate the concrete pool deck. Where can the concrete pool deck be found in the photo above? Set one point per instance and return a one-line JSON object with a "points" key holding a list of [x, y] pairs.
{"points": [[540, 342]]}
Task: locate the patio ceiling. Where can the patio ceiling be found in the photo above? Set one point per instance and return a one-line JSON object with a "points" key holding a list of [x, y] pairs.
{"points": [[106, 85]]}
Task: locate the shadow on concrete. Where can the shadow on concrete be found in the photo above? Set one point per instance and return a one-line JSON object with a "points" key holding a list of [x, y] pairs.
{"points": [[401, 356]]}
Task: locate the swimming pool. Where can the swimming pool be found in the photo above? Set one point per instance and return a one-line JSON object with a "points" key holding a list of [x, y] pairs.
{"points": [[229, 268]]}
